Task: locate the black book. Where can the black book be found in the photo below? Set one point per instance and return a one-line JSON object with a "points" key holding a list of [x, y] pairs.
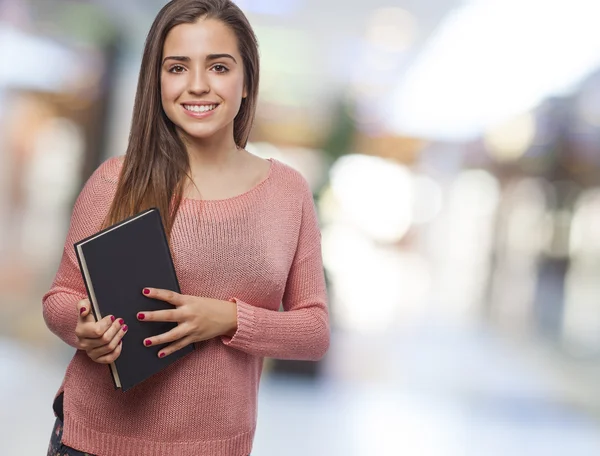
{"points": [[116, 264]]}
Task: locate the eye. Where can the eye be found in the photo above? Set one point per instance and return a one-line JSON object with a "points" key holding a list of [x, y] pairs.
{"points": [[220, 68], [176, 69]]}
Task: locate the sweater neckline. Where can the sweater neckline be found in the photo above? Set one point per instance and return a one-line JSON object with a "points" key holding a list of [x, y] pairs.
{"points": [[248, 192]]}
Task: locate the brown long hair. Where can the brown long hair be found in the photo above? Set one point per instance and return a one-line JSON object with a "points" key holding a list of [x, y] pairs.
{"points": [[156, 162]]}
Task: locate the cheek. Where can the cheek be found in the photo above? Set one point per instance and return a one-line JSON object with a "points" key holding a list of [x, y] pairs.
{"points": [[232, 91], [170, 89]]}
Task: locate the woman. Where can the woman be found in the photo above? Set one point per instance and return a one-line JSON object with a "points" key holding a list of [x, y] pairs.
{"points": [[244, 237]]}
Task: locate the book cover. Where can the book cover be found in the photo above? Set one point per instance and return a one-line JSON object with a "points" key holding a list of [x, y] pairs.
{"points": [[116, 264]]}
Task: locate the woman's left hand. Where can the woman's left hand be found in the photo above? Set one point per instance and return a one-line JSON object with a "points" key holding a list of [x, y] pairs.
{"points": [[197, 319]]}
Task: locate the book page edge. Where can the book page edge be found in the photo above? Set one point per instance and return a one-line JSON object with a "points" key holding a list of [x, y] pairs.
{"points": [[119, 225]]}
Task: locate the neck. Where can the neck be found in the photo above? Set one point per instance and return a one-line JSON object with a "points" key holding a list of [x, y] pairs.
{"points": [[211, 153]]}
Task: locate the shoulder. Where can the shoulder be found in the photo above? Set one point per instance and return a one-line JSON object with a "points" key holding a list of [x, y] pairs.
{"points": [[95, 198], [103, 181], [289, 180], [109, 170]]}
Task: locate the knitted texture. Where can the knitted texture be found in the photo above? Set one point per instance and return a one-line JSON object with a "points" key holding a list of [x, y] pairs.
{"points": [[260, 249]]}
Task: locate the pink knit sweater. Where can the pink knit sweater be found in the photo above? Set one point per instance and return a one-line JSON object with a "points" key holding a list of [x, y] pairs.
{"points": [[261, 248]]}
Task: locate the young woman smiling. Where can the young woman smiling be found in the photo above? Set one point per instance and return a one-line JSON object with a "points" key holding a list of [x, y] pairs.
{"points": [[245, 240]]}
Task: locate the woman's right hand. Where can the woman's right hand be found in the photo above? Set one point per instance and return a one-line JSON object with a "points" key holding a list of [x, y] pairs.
{"points": [[101, 340]]}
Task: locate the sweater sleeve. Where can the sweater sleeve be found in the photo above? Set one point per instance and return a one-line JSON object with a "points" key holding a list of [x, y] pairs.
{"points": [[91, 206], [301, 331]]}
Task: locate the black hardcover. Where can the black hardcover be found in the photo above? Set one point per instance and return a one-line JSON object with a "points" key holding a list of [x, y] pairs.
{"points": [[116, 264]]}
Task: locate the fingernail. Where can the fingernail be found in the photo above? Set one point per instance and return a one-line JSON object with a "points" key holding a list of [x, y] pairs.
{"points": [[121, 321], [82, 310], [141, 316], [120, 342], [125, 328], [146, 291], [161, 355], [112, 318], [147, 342]]}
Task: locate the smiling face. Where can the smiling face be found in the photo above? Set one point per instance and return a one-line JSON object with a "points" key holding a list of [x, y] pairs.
{"points": [[202, 79]]}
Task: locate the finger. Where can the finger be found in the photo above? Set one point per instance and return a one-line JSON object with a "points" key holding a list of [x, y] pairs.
{"points": [[170, 336], [100, 327], [112, 337], [84, 308], [117, 326], [95, 330], [164, 295], [85, 311], [181, 343], [170, 315], [110, 357]]}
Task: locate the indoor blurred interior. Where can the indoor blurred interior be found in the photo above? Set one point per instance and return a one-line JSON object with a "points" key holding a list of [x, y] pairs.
{"points": [[453, 149]]}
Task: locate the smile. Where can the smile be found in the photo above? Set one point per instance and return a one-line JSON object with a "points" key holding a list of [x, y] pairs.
{"points": [[200, 109]]}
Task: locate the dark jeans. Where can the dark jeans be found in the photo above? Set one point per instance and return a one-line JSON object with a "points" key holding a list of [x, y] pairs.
{"points": [[56, 448]]}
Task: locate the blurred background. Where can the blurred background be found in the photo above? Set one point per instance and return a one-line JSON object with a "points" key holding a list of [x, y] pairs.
{"points": [[453, 147]]}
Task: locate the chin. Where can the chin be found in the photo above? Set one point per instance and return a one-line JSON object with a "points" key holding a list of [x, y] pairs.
{"points": [[199, 133]]}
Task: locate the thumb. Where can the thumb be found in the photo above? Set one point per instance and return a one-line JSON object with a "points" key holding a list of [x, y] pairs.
{"points": [[84, 308]]}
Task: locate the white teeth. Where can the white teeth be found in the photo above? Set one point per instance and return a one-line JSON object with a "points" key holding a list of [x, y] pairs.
{"points": [[196, 108]]}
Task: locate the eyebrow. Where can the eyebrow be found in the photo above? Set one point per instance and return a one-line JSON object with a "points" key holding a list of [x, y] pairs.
{"points": [[180, 58]]}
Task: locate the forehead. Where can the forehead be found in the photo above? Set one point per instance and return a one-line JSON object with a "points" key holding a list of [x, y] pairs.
{"points": [[205, 36]]}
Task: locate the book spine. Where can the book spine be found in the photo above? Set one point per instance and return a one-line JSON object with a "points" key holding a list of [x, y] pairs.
{"points": [[93, 305], [85, 281]]}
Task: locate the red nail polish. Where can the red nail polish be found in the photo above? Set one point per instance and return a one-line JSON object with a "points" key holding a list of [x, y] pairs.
{"points": [[141, 316], [112, 318], [161, 355], [147, 342], [82, 310], [120, 342], [125, 328], [121, 321], [146, 291]]}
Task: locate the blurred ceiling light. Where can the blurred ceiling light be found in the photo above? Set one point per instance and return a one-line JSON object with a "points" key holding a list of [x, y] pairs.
{"points": [[472, 73], [377, 61], [584, 241], [510, 140], [375, 194], [360, 274], [527, 202], [474, 193], [362, 271], [26, 57], [428, 199], [329, 208], [391, 29]]}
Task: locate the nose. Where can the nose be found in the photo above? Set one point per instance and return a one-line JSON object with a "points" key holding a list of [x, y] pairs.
{"points": [[198, 83]]}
